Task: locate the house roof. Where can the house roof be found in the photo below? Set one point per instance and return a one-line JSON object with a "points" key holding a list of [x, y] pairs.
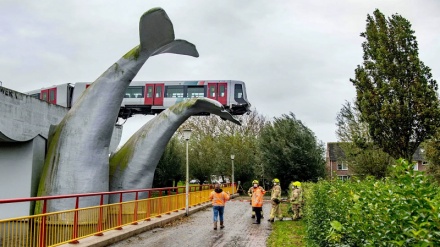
{"points": [[335, 152]]}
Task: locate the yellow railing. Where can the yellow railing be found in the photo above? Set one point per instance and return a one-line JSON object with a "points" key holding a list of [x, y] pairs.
{"points": [[69, 226]]}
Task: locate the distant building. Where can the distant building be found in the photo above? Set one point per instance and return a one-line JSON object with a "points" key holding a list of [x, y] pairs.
{"points": [[337, 168]]}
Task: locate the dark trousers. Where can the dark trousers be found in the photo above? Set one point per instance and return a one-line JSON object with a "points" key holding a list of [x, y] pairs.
{"points": [[257, 211]]}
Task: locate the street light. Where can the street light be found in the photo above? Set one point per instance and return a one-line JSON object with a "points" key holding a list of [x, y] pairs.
{"points": [[186, 136], [232, 160]]}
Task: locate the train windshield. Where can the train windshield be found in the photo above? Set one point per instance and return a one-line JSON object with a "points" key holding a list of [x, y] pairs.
{"points": [[238, 92]]}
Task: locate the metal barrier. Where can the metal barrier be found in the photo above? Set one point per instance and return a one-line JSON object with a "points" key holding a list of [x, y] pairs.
{"points": [[69, 226]]}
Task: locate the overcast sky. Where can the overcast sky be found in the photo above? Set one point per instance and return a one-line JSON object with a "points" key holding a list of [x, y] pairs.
{"points": [[294, 56]]}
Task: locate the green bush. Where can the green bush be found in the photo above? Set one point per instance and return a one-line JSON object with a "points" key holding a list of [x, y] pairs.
{"points": [[402, 210]]}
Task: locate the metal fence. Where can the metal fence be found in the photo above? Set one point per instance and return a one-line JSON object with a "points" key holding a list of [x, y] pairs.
{"points": [[69, 226]]}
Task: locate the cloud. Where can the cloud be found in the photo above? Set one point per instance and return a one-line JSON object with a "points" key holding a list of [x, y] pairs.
{"points": [[294, 56]]}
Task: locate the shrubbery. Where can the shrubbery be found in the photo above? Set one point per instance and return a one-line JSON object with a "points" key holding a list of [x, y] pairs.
{"points": [[402, 210]]}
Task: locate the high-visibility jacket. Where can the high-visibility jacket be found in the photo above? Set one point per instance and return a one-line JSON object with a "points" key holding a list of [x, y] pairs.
{"points": [[257, 197], [218, 199], [276, 192]]}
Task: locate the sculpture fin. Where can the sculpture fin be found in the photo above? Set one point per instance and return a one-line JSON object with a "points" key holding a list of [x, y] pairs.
{"points": [[157, 35], [178, 46], [155, 30]]}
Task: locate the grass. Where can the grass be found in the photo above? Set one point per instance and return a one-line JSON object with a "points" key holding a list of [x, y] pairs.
{"points": [[287, 233]]}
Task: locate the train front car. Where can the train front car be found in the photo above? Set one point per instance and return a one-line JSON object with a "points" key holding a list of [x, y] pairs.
{"points": [[238, 102]]}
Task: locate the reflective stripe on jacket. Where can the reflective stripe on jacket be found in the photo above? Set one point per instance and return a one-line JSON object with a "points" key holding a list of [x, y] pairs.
{"points": [[218, 199], [257, 197]]}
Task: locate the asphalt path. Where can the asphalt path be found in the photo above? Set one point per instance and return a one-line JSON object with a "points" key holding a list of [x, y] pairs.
{"points": [[197, 230]]}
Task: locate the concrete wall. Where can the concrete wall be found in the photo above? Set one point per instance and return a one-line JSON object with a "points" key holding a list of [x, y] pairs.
{"points": [[24, 129], [21, 165], [22, 117]]}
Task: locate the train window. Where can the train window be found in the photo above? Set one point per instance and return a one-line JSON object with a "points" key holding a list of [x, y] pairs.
{"points": [[174, 92], [238, 92], [158, 92], [221, 90], [134, 92], [51, 95], [36, 95], [150, 92], [44, 96], [195, 91], [212, 90]]}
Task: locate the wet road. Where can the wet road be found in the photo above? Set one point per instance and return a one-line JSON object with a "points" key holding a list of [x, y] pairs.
{"points": [[197, 230]]}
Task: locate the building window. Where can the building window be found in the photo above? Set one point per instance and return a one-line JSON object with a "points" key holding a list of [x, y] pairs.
{"points": [[342, 166], [174, 92], [134, 92], [196, 92], [416, 167], [343, 177]]}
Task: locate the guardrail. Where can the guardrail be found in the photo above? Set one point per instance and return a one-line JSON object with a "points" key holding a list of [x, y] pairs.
{"points": [[69, 226]]}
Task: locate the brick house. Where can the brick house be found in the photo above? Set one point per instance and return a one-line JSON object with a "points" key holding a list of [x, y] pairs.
{"points": [[340, 169]]}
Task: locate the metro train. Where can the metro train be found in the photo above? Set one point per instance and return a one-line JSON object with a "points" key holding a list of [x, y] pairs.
{"points": [[152, 97]]}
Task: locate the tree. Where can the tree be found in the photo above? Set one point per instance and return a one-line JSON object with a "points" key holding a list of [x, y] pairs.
{"points": [[362, 156], [396, 94], [431, 149], [214, 140], [168, 171], [290, 151]]}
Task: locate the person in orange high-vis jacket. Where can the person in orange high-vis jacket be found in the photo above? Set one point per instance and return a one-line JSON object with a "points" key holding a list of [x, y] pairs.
{"points": [[218, 198], [257, 202]]}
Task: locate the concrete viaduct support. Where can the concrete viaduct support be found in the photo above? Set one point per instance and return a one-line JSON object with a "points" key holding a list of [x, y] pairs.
{"points": [[24, 129]]}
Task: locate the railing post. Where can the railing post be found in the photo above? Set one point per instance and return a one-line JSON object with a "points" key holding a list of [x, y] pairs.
{"points": [[120, 213], [101, 213], [136, 208], [75, 222], [169, 202], [43, 225], [159, 208], [149, 206]]}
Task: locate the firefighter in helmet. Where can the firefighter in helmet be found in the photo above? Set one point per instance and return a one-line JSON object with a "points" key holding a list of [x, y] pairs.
{"points": [[255, 185], [275, 197], [296, 200]]}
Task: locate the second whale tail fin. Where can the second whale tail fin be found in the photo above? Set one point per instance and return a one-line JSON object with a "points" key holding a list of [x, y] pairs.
{"points": [[157, 35]]}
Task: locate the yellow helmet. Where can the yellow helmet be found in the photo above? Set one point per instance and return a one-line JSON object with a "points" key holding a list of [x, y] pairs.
{"points": [[275, 180], [255, 182], [297, 184]]}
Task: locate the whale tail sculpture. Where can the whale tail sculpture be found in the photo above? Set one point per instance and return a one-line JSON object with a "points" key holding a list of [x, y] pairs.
{"points": [[77, 158], [133, 166]]}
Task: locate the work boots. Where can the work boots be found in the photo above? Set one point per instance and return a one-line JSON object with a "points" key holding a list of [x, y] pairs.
{"points": [[215, 225], [221, 225]]}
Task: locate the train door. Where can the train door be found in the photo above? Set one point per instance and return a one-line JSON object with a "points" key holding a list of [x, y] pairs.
{"points": [[158, 94], [149, 94], [44, 94], [49, 95], [212, 91], [222, 93], [154, 94], [52, 95], [218, 91]]}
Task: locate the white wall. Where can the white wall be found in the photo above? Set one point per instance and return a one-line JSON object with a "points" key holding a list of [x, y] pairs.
{"points": [[20, 166]]}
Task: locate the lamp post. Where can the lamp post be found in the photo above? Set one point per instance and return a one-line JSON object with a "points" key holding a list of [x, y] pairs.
{"points": [[186, 136], [232, 160]]}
